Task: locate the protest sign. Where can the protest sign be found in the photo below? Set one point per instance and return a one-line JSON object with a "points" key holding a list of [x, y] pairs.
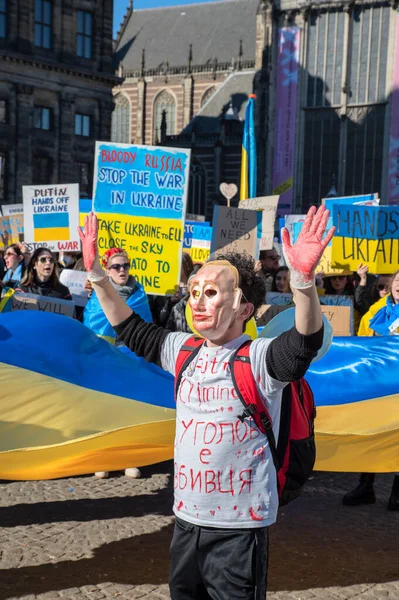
{"points": [[368, 235], [11, 229], [339, 316], [140, 195], [12, 209], [51, 216], [333, 300], [75, 282], [268, 206], [201, 243], [57, 306], [23, 302], [196, 218], [278, 299], [188, 232], [362, 199], [235, 230]]}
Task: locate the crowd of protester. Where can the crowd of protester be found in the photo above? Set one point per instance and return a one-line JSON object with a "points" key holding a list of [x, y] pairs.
{"points": [[375, 298]]}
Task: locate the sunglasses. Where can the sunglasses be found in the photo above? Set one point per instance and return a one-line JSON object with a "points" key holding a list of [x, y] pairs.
{"points": [[381, 287], [10, 254], [124, 266], [45, 259], [339, 277], [273, 258]]}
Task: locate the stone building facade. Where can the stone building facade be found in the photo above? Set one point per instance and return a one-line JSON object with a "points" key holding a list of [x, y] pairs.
{"points": [[344, 98], [56, 80]]}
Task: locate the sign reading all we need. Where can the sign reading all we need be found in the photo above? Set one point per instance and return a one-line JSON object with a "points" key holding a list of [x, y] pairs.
{"points": [[140, 195]]}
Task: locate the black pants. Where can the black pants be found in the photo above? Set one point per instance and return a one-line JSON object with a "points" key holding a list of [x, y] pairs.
{"points": [[218, 564]]}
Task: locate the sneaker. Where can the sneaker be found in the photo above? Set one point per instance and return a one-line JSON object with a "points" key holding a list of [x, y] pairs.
{"points": [[102, 474], [133, 472]]}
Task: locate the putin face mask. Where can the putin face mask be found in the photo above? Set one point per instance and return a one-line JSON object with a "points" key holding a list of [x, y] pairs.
{"points": [[214, 298]]}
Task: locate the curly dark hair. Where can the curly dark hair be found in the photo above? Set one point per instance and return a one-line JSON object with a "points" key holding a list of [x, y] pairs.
{"points": [[252, 286]]}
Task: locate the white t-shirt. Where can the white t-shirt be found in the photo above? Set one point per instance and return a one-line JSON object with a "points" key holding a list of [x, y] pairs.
{"points": [[224, 472]]}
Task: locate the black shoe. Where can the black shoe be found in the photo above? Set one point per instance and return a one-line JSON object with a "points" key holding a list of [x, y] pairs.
{"points": [[393, 502], [363, 493]]}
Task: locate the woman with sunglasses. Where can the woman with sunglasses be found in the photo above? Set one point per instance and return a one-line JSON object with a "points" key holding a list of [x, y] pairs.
{"points": [[365, 294], [15, 266], [41, 276], [117, 265]]}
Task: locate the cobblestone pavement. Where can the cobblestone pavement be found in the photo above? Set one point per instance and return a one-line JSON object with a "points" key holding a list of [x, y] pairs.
{"points": [[84, 538]]}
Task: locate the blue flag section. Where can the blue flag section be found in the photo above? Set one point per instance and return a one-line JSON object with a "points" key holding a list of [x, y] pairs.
{"points": [[71, 403]]}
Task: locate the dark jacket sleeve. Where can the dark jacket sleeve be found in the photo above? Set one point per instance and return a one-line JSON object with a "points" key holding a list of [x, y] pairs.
{"points": [[289, 355], [362, 299], [142, 338]]}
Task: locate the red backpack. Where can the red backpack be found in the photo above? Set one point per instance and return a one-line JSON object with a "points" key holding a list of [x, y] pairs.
{"points": [[294, 454]]}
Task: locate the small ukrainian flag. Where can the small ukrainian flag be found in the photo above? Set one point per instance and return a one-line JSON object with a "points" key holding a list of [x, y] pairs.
{"points": [[51, 227], [248, 160]]}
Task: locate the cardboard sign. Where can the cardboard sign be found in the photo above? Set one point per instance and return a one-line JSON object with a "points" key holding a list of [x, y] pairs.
{"points": [[51, 216], [23, 302], [57, 306], [12, 209], [268, 206], [11, 229], [75, 282], [235, 230], [140, 196], [339, 317], [368, 235]]}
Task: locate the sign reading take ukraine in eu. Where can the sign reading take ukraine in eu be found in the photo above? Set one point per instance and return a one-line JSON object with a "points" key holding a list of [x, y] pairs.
{"points": [[368, 235], [51, 216], [140, 196]]}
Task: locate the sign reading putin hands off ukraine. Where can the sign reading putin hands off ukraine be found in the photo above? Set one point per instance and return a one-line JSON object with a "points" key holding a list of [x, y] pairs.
{"points": [[368, 235], [140, 196]]}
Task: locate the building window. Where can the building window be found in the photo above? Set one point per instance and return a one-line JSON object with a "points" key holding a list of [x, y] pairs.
{"points": [[3, 163], [43, 23], [42, 170], [3, 110], [85, 172], [84, 38], [344, 120], [42, 118], [164, 112], [197, 189], [120, 130], [208, 95], [3, 18], [82, 125]]}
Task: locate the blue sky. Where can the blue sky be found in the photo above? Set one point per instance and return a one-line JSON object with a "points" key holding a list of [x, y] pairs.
{"points": [[121, 5]]}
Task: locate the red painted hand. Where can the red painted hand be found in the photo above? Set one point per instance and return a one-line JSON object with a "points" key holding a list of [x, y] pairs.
{"points": [[88, 237], [304, 256]]}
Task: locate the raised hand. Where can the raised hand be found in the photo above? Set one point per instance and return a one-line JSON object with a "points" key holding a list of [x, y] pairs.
{"points": [[303, 257], [362, 271], [89, 238]]}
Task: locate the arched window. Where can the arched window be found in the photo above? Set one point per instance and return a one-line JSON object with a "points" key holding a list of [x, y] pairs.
{"points": [[207, 95], [197, 189], [120, 131], [164, 104]]}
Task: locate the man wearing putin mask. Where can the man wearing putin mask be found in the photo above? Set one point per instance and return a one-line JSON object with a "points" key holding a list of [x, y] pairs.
{"points": [[225, 481]]}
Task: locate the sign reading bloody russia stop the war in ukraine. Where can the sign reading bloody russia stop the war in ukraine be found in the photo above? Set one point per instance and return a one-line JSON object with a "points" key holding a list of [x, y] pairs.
{"points": [[140, 195]]}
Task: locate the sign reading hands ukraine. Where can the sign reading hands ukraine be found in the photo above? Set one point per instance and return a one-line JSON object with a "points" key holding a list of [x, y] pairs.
{"points": [[140, 196]]}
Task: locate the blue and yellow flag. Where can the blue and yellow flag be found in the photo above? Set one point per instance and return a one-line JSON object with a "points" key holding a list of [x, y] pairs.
{"points": [[71, 403], [248, 160]]}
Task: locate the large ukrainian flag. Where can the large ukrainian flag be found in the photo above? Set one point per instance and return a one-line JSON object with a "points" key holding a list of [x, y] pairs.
{"points": [[70, 403], [248, 153]]}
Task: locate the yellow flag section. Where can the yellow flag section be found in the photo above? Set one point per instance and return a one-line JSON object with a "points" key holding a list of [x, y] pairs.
{"points": [[153, 246], [140, 196]]}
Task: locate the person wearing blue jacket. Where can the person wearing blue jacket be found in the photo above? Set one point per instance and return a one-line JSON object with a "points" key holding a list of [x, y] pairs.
{"points": [[117, 265]]}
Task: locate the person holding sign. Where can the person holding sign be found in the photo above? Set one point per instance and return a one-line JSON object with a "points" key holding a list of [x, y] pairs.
{"points": [[41, 276], [225, 495]]}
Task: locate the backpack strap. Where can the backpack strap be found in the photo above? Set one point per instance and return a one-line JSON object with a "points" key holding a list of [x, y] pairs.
{"points": [[245, 386], [186, 354]]}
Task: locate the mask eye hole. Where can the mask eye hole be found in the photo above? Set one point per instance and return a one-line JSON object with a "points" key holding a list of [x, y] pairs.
{"points": [[195, 293], [210, 293]]}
